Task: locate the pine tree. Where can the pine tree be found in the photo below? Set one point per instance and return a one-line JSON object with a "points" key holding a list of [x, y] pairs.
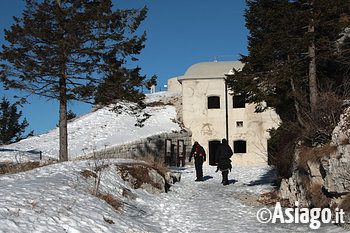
{"points": [[71, 115], [299, 65], [64, 49], [120, 84], [151, 82], [292, 54], [11, 129]]}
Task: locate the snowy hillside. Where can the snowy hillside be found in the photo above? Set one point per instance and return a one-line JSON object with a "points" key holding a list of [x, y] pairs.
{"points": [[57, 197], [95, 131]]}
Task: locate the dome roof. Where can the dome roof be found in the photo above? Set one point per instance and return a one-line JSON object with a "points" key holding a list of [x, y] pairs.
{"points": [[212, 69]]}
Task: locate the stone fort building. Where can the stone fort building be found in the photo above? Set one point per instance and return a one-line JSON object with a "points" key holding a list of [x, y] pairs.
{"points": [[212, 112]]}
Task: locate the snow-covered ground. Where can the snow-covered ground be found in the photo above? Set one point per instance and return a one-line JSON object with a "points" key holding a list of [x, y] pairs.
{"points": [[57, 198], [95, 131]]}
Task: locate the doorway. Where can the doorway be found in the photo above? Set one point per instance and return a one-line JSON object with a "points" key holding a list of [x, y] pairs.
{"points": [[213, 146]]}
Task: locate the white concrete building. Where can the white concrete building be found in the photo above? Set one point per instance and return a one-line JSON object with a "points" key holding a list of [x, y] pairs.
{"points": [[205, 113]]}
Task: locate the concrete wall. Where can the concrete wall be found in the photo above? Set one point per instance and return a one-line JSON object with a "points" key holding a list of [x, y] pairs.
{"points": [[150, 146], [210, 124], [174, 85]]}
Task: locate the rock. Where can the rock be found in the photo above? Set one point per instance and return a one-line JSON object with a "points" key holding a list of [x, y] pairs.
{"points": [[144, 177], [337, 175], [292, 190], [172, 178], [331, 173], [128, 194], [158, 183], [315, 173]]}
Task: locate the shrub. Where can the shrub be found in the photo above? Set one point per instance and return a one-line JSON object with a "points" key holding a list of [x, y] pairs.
{"points": [[314, 154], [281, 149], [310, 130]]}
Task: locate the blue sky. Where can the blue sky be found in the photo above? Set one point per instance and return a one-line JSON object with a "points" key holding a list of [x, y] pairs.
{"points": [[179, 34]]}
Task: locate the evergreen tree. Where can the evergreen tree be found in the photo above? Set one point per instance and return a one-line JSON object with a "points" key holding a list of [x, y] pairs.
{"points": [[299, 64], [71, 115], [292, 54], [120, 84], [11, 130], [151, 82], [63, 49]]}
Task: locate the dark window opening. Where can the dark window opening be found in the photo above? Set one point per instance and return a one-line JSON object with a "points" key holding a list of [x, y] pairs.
{"points": [[239, 123], [240, 146], [213, 102], [213, 146], [238, 101]]}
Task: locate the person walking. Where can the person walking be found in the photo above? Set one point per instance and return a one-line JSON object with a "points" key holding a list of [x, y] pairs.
{"points": [[223, 155], [198, 153]]}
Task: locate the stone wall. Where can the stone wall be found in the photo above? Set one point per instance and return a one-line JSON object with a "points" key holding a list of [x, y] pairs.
{"points": [[150, 146]]}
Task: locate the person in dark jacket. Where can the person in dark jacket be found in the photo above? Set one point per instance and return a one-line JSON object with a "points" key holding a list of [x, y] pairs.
{"points": [[198, 153], [223, 155]]}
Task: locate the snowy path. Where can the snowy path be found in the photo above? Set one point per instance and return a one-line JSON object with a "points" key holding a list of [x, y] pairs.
{"points": [[210, 207], [56, 198]]}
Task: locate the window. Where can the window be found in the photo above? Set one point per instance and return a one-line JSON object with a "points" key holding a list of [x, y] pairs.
{"points": [[239, 123], [240, 146], [213, 102], [238, 101]]}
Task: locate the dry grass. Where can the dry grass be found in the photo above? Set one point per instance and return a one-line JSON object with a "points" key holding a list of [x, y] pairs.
{"points": [[315, 154], [304, 179], [158, 103], [156, 164], [317, 196], [345, 204], [11, 168], [271, 198], [139, 172], [87, 174], [109, 198]]}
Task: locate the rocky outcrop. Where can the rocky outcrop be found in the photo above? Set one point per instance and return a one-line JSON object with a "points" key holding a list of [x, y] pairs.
{"points": [[146, 177], [337, 175], [321, 176]]}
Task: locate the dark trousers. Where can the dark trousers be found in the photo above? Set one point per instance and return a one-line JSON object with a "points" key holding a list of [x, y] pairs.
{"points": [[225, 177], [199, 168]]}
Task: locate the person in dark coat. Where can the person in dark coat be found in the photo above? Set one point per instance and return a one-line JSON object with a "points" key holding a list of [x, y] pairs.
{"points": [[198, 153], [223, 155]]}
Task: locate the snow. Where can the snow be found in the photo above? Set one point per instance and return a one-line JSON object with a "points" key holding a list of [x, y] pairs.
{"points": [[95, 131], [57, 198]]}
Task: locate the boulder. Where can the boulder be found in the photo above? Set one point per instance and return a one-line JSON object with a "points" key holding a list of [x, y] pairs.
{"points": [[172, 178], [140, 176]]}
